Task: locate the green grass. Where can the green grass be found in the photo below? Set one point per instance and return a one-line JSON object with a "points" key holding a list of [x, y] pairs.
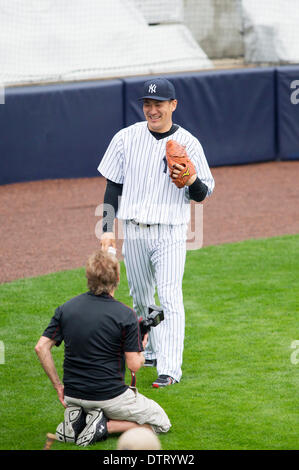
{"points": [[239, 388]]}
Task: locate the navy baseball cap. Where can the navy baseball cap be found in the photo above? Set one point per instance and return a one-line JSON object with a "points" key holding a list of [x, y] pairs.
{"points": [[159, 89]]}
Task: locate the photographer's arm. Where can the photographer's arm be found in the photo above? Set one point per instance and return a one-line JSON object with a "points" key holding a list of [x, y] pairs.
{"points": [[43, 351], [135, 360]]}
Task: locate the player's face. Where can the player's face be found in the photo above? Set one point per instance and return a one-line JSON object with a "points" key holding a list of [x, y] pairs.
{"points": [[159, 114]]}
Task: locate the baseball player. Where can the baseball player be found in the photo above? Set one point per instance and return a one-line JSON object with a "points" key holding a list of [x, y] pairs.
{"points": [[149, 189]]}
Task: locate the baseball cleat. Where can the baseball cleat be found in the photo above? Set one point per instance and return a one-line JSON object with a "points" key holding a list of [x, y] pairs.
{"points": [[73, 424], [95, 429], [150, 363], [163, 381]]}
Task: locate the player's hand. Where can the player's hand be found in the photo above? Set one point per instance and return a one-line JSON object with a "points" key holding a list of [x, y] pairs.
{"points": [[107, 240], [176, 171]]}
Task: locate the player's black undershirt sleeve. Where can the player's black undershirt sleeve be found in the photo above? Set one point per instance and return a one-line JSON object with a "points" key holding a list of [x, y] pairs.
{"points": [[198, 190], [112, 193]]}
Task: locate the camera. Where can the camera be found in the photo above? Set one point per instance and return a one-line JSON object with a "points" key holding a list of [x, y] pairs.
{"points": [[154, 317]]}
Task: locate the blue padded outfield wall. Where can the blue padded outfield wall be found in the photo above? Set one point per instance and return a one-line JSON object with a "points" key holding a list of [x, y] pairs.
{"points": [[62, 130], [288, 112], [57, 131]]}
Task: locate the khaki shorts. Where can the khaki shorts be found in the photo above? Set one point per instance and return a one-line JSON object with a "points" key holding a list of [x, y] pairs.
{"points": [[129, 406]]}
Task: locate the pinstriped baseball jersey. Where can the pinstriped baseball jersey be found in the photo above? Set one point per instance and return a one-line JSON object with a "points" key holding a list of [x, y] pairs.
{"points": [[137, 160]]}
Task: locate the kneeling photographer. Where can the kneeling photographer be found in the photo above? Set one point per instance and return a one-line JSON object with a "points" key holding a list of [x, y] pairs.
{"points": [[101, 335]]}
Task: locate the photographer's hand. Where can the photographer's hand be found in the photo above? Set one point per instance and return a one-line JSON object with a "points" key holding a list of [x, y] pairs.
{"points": [[60, 392], [145, 340]]}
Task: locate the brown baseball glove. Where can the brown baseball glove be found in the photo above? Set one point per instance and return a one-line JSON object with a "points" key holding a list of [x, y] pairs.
{"points": [[176, 154]]}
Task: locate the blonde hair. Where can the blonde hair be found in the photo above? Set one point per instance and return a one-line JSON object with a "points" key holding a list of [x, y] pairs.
{"points": [[102, 272]]}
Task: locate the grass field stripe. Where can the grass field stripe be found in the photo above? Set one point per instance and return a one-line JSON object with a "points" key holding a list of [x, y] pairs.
{"points": [[239, 387]]}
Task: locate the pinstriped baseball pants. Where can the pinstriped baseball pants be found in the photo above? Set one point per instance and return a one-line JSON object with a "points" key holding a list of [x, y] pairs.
{"points": [[155, 259]]}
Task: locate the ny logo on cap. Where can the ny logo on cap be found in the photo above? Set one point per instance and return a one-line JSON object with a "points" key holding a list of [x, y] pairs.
{"points": [[152, 88]]}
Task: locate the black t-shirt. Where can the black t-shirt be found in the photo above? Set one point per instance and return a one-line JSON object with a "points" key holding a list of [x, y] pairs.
{"points": [[96, 331]]}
